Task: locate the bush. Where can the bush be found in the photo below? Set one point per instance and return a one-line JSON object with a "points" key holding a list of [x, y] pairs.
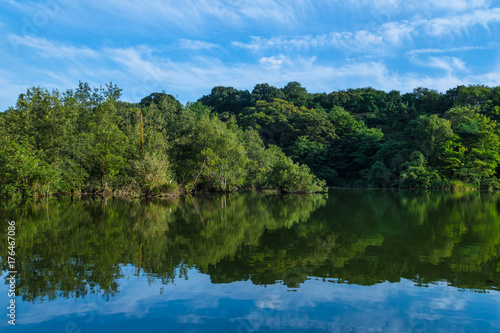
{"points": [[23, 172], [152, 174], [418, 175], [287, 176]]}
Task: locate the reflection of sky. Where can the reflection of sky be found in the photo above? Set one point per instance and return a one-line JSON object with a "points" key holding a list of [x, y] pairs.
{"points": [[197, 305]]}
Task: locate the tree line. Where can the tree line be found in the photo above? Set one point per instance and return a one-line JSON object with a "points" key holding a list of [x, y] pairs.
{"points": [[370, 138], [87, 140]]}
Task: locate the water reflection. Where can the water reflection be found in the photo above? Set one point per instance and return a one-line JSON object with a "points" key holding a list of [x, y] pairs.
{"points": [[74, 249], [362, 237], [350, 259]]}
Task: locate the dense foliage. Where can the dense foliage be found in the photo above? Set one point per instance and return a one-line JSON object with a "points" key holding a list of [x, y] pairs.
{"points": [[86, 140], [367, 137]]}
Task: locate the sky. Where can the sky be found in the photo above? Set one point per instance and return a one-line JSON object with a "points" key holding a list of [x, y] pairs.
{"points": [[186, 48]]}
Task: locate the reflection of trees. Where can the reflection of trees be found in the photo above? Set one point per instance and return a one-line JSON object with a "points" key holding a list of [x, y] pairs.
{"points": [[78, 248], [362, 237], [366, 237]]}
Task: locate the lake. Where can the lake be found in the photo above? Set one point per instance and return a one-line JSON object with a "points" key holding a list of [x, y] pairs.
{"points": [[347, 261]]}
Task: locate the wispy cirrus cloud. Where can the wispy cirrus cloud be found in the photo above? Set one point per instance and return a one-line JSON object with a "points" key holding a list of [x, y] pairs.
{"points": [[188, 47], [203, 74], [191, 16], [50, 49], [388, 35], [448, 50], [452, 25], [196, 44], [448, 64], [449, 5], [423, 6], [144, 71]]}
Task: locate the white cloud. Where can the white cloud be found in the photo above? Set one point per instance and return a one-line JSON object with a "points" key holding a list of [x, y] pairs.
{"points": [[456, 24], [13, 3], [140, 71], [192, 77], [452, 5], [448, 50], [195, 44], [349, 42], [48, 49], [422, 5], [449, 64], [272, 63], [490, 79], [379, 39], [134, 61], [193, 16]]}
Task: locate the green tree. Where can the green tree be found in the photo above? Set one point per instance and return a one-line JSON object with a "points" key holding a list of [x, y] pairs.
{"points": [[362, 149], [265, 92], [105, 145], [418, 174], [429, 132], [296, 94], [23, 172], [477, 134], [227, 101], [344, 123], [287, 176]]}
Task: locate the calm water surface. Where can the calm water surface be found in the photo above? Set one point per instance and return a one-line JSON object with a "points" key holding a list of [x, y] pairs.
{"points": [[349, 261]]}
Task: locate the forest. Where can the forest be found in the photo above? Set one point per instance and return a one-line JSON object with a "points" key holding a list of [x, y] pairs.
{"points": [[285, 139]]}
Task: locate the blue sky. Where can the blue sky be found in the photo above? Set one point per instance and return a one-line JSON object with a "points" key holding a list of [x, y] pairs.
{"points": [[187, 47]]}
